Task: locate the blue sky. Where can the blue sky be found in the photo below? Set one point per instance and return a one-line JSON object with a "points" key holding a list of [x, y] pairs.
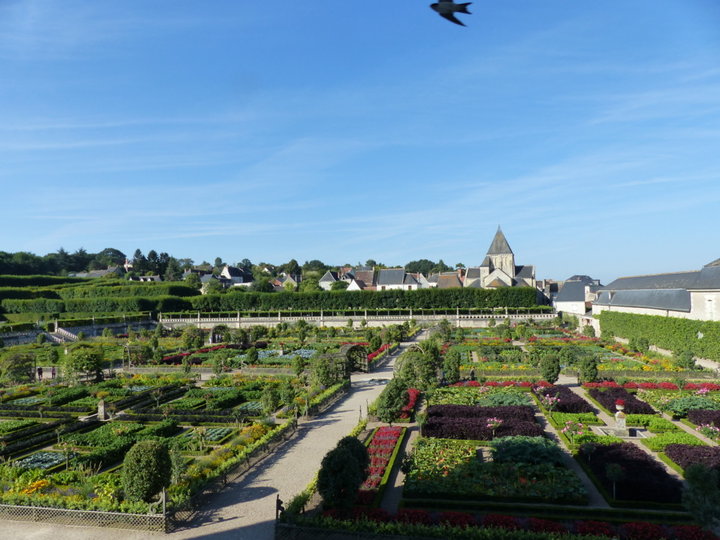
{"points": [[345, 130]]}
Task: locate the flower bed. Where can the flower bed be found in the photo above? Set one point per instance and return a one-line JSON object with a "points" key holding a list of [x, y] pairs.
{"points": [[643, 479], [479, 423], [685, 455], [408, 409], [561, 399], [608, 398], [382, 450]]}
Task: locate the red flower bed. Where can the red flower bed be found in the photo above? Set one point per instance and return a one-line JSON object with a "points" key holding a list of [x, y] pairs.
{"points": [[691, 532], [457, 519], [408, 515], [642, 531], [710, 387], [545, 525], [374, 354], [501, 521], [380, 449], [597, 528]]}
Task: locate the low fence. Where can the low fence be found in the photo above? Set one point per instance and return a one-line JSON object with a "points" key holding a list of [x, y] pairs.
{"points": [[87, 518]]}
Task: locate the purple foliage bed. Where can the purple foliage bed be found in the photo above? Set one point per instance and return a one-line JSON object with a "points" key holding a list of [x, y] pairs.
{"points": [[471, 422], [686, 455], [644, 479], [608, 397], [703, 416], [569, 401]]}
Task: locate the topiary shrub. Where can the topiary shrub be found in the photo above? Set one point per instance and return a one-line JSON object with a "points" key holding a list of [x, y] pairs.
{"points": [[147, 469], [339, 478]]}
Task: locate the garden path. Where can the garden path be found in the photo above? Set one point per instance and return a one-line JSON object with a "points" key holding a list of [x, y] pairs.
{"points": [[246, 508]]}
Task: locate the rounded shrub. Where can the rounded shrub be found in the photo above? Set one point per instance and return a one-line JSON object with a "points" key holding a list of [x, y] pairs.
{"points": [[147, 469]]}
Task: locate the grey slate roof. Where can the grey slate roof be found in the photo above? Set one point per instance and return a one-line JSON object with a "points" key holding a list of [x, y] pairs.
{"points": [[499, 244], [572, 291], [708, 277], [523, 272], [716, 262], [410, 280], [677, 280], [672, 299], [486, 262], [472, 273], [391, 276], [329, 276]]}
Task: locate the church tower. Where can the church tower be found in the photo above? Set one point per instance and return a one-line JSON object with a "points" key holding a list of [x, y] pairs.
{"points": [[500, 255]]}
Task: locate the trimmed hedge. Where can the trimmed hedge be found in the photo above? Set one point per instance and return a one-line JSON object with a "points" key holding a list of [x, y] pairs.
{"points": [[97, 305], [423, 298], [37, 280], [670, 333]]}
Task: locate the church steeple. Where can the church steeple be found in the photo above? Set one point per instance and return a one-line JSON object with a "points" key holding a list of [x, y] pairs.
{"points": [[500, 244]]}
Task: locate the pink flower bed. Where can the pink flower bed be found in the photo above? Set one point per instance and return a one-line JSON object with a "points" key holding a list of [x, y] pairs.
{"points": [[375, 354]]}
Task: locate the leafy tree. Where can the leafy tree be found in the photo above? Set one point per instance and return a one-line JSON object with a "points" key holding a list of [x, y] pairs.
{"points": [[315, 266], [392, 399], [589, 369], [701, 495], [550, 368], [357, 449], [339, 285], [193, 280], [339, 478], [173, 271], [147, 468], [323, 371], [685, 360], [85, 361], [270, 399], [588, 330], [251, 356], [309, 284], [451, 366], [17, 367], [213, 286], [615, 473], [262, 285], [192, 338]]}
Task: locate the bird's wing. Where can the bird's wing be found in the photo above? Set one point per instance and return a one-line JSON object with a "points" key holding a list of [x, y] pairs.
{"points": [[452, 18]]}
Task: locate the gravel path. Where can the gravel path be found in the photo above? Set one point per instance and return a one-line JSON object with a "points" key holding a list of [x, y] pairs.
{"points": [[246, 508]]}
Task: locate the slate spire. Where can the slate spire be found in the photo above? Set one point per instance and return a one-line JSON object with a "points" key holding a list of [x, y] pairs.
{"points": [[499, 244]]}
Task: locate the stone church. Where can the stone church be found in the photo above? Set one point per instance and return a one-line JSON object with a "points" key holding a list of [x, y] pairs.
{"points": [[498, 269]]}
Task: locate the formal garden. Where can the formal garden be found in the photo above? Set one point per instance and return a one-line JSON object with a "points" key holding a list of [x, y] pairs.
{"points": [[195, 412], [475, 437]]}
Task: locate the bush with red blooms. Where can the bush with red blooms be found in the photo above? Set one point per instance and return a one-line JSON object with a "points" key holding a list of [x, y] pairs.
{"points": [[409, 515], [501, 521], [641, 530], [545, 525], [412, 396], [596, 528], [372, 514], [375, 354], [457, 519]]}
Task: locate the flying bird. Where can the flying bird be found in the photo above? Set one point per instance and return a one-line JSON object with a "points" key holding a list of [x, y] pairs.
{"points": [[448, 8]]}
